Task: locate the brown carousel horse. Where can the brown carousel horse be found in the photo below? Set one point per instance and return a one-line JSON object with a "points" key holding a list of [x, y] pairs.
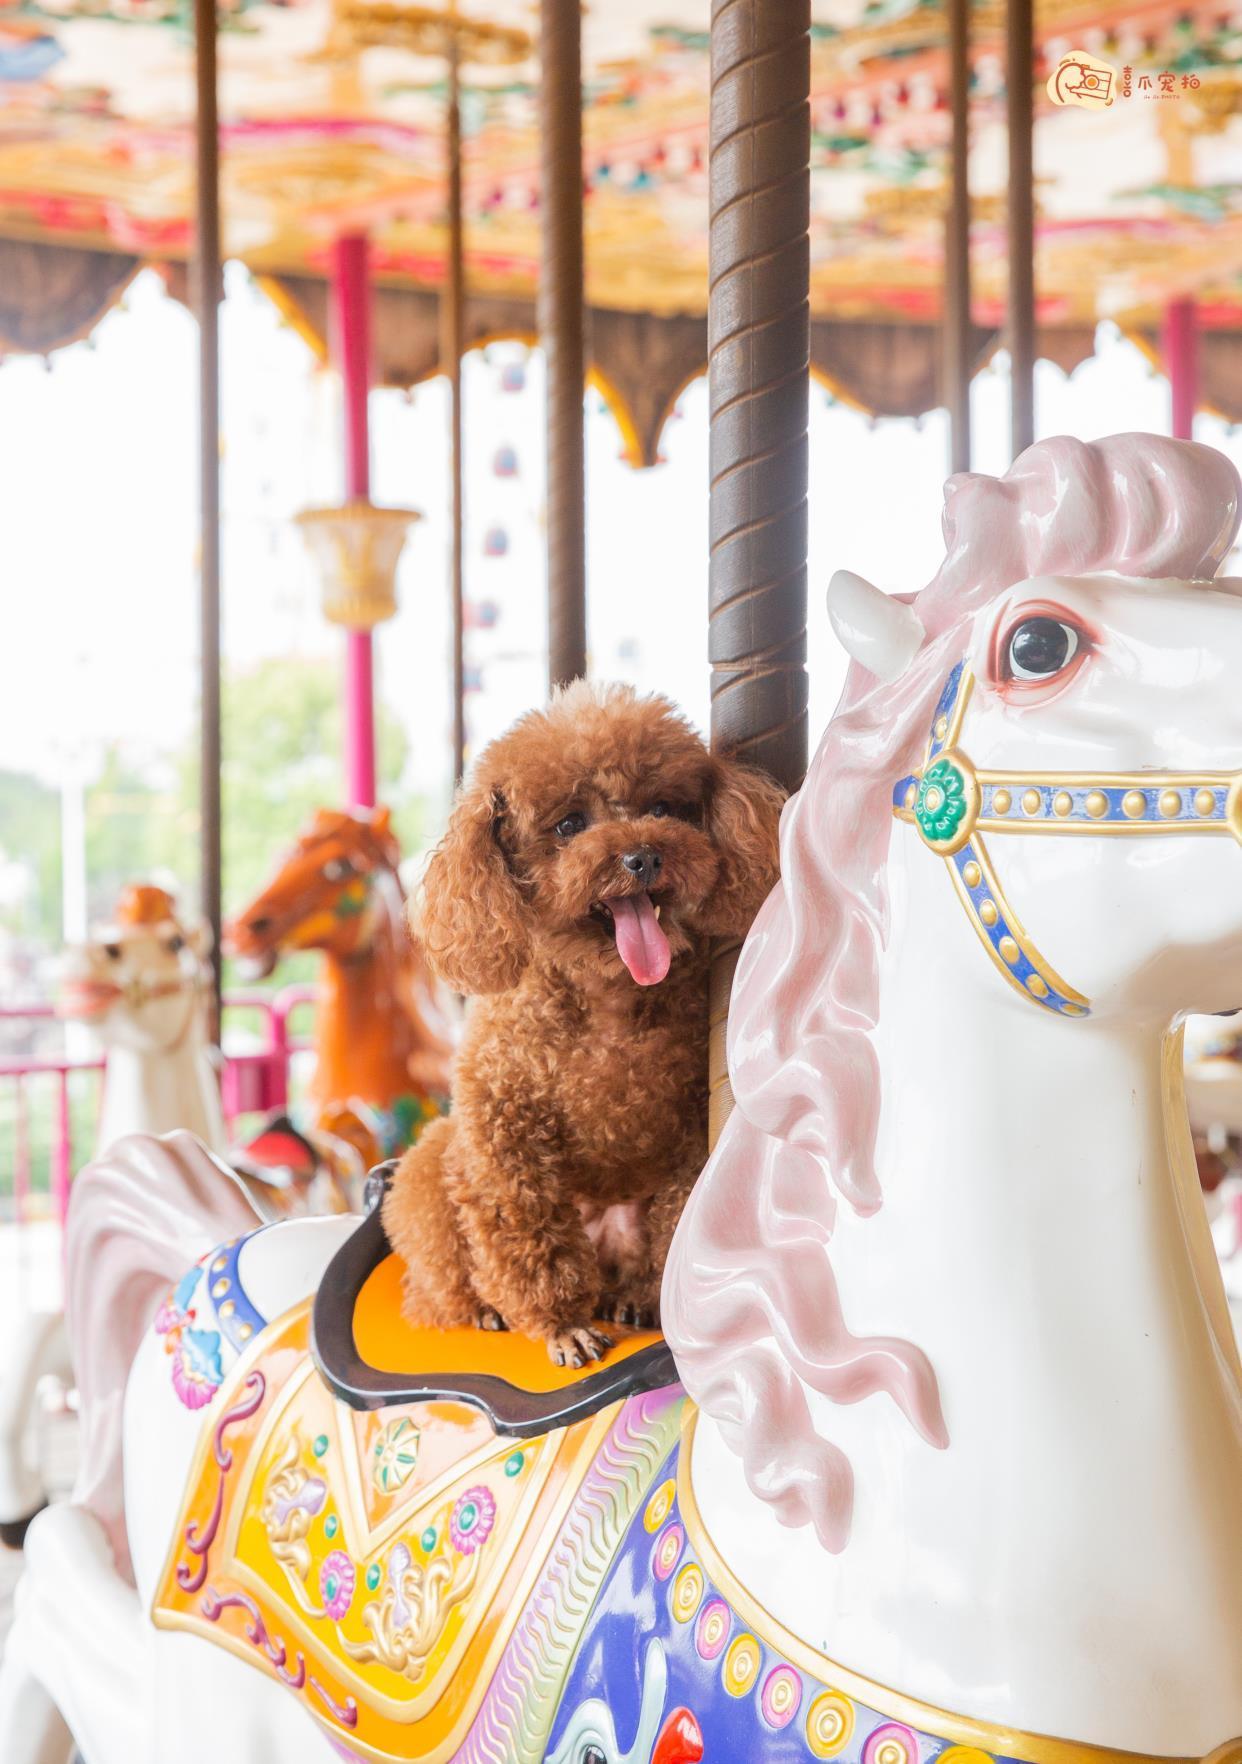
{"points": [[381, 1033]]}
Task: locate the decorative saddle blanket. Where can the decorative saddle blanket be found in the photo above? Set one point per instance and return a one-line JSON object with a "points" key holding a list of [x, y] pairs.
{"points": [[433, 1589]]}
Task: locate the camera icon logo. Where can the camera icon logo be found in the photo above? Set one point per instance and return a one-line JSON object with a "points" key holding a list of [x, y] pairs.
{"points": [[1083, 80]]}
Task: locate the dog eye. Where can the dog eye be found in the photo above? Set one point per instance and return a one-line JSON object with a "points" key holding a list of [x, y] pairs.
{"points": [[660, 809], [1039, 648], [571, 824]]}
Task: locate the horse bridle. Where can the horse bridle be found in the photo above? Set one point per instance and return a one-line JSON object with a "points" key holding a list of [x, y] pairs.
{"points": [[952, 803]]}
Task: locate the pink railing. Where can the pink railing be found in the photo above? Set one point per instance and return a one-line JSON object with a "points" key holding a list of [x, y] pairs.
{"points": [[254, 1080]]}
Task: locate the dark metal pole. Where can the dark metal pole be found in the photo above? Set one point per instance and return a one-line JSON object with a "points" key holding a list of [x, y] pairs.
{"points": [[562, 332], [958, 341], [1019, 78], [758, 377], [207, 300], [452, 349]]}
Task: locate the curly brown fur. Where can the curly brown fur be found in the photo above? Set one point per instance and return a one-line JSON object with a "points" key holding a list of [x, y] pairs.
{"points": [[548, 1198]]}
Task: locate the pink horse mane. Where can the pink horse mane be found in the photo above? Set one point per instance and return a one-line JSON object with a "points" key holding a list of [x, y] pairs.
{"points": [[750, 1303]]}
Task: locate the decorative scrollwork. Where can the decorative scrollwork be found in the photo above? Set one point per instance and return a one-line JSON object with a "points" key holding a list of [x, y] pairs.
{"points": [[292, 1501], [408, 1618]]}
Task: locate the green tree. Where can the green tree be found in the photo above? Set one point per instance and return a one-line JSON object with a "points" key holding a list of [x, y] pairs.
{"points": [[282, 731], [30, 839], [282, 728]]}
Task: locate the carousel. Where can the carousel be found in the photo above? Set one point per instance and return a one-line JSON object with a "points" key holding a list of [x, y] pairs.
{"points": [[744, 1282]]}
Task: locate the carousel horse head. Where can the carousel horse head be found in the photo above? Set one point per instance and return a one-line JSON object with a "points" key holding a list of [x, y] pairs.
{"points": [[335, 891], [1030, 800], [137, 982]]}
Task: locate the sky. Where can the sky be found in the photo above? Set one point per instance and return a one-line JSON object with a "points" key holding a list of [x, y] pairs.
{"points": [[98, 527]]}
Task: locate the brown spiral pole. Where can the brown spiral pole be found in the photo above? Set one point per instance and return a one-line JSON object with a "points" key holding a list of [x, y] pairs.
{"points": [[758, 376], [958, 336], [452, 347], [562, 332], [1020, 113]]}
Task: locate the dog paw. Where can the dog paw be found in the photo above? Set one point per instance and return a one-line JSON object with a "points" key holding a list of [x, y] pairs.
{"points": [[490, 1318], [631, 1315], [574, 1347]]}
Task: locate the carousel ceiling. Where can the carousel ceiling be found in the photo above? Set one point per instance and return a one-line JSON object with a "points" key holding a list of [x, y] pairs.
{"points": [[333, 113]]}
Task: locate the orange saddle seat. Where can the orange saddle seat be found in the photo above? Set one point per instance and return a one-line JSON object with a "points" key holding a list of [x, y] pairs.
{"points": [[371, 1357]]}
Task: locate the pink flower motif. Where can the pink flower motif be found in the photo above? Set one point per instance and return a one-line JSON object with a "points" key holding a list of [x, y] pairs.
{"points": [[472, 1519], [337, 1579], [197, 1372]]}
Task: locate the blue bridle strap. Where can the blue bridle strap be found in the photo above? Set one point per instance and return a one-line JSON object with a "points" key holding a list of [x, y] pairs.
{"points": [[953, 804]]}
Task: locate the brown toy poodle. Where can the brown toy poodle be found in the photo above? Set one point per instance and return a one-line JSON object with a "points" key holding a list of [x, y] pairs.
{"points": [[591, 858]]}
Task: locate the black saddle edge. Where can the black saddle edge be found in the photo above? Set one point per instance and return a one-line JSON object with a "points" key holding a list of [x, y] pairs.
{"points": [[511, 1410]]}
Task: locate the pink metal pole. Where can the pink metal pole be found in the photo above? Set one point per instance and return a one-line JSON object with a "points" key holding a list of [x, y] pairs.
{"points": [[351, 316], [62, 1165], [21, 1161], [1181, 364]]}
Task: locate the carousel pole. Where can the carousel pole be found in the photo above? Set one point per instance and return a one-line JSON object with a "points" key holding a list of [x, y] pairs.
{"points": [[351, 329], [1019, 80], [958, 341], [206, 269], [562, 332], [452, 348], [1180, 347], [758, 378]]}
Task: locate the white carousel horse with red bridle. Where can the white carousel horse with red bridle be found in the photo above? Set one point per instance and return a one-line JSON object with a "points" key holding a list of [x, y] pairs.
{"points": [[960, 1472]]}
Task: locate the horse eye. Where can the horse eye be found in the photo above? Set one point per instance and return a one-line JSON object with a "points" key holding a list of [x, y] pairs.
{"points": [[175, 944], [571, 824], [336, 870], [593, 1755], [1039, 648], [112, 951]]}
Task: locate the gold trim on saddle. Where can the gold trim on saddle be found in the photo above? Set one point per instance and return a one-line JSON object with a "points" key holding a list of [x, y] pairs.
{"points": [[385, 1602]]}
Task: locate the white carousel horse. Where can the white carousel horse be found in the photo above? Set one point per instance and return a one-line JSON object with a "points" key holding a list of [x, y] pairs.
{"points": [[140, 984], [965, 1477]]}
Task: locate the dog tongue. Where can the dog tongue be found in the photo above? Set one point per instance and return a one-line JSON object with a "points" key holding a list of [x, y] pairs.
{"points": [[641, 944]]}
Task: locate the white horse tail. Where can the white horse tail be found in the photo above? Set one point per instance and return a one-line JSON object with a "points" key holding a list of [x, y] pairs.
{"points": [[139, 1216]]}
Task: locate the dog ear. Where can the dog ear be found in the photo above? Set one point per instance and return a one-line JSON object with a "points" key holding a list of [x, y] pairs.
{"points": [[743, 818], [473, 922]]}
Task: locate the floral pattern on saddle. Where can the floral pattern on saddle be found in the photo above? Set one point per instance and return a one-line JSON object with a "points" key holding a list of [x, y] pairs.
{"points": [[375, 1563], [206, 1322]]}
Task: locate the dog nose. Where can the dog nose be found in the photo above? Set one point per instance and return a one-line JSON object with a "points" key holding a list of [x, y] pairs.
{"points": [[644, 862]]}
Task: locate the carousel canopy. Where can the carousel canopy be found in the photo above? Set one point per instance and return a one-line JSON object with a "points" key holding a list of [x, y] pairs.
{"points": [[333, 120]]}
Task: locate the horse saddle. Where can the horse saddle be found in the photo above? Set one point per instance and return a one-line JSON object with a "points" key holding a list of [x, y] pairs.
{"points": [[371, 1358], [373, 1509]]}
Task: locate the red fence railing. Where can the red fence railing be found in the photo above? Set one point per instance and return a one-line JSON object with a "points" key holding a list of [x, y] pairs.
{"points": [[49, 1101]]}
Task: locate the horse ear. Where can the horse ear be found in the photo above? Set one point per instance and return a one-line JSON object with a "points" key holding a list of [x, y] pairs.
{"points": [[882, 634], [381, 821], [474, 923]]}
